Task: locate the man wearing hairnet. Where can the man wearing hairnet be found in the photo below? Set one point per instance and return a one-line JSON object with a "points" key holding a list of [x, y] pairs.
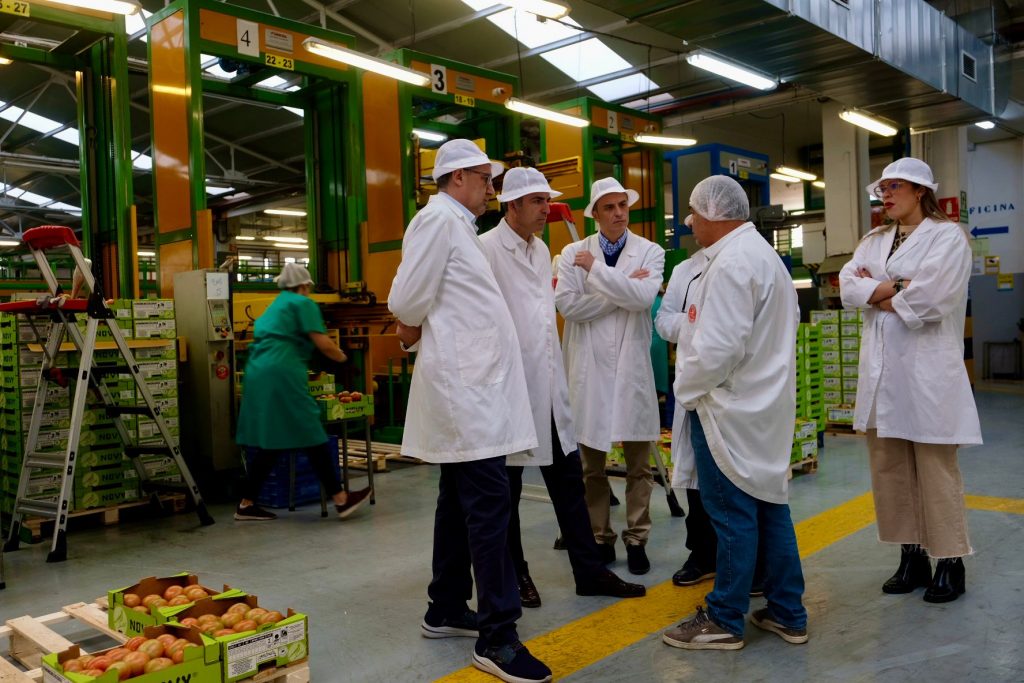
{"points": [[468, 409], [277, 413], [737, 384]]}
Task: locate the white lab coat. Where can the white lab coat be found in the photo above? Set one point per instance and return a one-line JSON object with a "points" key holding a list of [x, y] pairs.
{"points": [[468, 399], [669, 324], [913, 384], [738, 372], [607, 341], [524, 276]]}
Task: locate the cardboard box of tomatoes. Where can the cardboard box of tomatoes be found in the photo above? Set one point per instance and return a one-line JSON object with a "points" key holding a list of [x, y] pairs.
{"points": [[251, 637], [170, 652], [152, 601]]}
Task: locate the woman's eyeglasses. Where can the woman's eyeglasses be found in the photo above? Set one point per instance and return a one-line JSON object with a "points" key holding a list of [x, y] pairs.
{"points": [[891, 186]]}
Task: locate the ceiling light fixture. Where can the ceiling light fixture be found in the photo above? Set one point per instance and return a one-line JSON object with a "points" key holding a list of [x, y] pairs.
{"points": [[867, 122], [987, 125], [666, 140], [295, 240], [518, 105], [9, 243], [365, 62], [785, 178], [549, 9], [146, 253], [245, 238], [429, 135], [727, 69], [244, 257], [285, 212], [282, 245], [802, 175], [819, 184], [4, 61], [113, 6]]}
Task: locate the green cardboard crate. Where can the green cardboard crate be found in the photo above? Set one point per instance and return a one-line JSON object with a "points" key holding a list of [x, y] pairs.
{"points": [[168, 351], [850, 397], [849, 330], [322, 384], [162, 388], [832, 383], [200, 664], [824, 317], [832, 396], [131, 622], [159, 369], [830, 343], [849, 357], [102, 436], [828, 330], [849, 343], [804, 450], [100, 458], [839, 413], [99, 498], [850, 370], [850, 316], [850, 383], [805, 429], [155, 329], [831, 370], [153, 309]]}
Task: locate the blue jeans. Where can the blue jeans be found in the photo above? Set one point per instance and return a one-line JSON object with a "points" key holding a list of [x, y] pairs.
{"points": [[741, 522]]}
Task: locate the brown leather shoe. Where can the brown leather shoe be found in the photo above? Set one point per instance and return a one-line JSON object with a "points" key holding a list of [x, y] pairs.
{"points": [[528, 594]]}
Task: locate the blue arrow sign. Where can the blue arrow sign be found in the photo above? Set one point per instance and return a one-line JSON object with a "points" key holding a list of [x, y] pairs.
{"points": [[978, 232]]}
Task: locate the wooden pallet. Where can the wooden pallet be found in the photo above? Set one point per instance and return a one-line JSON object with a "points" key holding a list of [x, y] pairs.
{"points": [[836, 429], [805, 466], [382, 453], [31, 637], [105, 516]]}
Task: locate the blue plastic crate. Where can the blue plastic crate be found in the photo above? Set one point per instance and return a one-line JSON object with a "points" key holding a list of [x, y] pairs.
{"points": [[274, 493]]}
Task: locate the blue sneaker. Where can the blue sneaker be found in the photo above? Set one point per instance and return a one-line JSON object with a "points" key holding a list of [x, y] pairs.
{"points": [[452, 626], [512, 663]]}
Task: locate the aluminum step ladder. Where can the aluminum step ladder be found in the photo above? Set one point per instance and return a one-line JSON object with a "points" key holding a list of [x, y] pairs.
{"points": [[62, 312]]}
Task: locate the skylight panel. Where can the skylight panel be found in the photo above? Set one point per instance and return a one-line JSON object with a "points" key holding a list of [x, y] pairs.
{"points": [[217, 191], [296, 111], [61, 206], [586, 60], [620, 88], [143, 162], [274, 82], [69, 135], [30, 197], [218, 72], [531, 32], [38, 123], [133, 23]]}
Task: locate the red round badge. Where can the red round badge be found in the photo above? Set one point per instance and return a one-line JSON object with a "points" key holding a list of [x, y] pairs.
{"points": [[692, 313], [222, 372]]}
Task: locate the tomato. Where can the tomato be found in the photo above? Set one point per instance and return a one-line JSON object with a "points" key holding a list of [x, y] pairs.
{"points": [[149, 599], [117, 654], [271, 617], [189, 621], [93, 673], [153, 648], [101, 663], [356, 396], [195, 593], [207, 618], [240, 607], [137, 661], [72, 665], [140, 609], [211, 626], [255, 613], [221, 632], [167, 639], [123, 669], [232, 618], [173, 592], [245, 625], [86, 661], [181, 642], [178, 600], [158, 664], [131, 599], [133, 643]]}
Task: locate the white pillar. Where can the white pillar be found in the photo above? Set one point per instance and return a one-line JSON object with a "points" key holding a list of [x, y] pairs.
{"points": [[946, 152], [847, 206]]}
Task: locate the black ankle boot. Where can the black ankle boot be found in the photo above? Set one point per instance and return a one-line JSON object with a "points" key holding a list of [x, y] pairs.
{"points": [[915, 571], [949, 582]]}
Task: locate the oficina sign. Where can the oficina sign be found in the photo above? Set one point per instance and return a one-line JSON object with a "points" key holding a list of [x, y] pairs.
{"points": [[992, 208]]}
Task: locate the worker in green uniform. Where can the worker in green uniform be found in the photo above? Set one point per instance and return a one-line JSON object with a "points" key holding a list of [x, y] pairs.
{"points": [[278, 414]]}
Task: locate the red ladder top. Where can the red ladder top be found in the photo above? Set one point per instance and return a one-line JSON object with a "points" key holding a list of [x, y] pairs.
{"points": [[49, 236]]}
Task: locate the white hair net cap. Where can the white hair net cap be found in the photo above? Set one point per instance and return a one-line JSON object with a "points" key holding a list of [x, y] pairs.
{"points": [[462, 153], [521, 181], [720, 198], [907, 168], [293, 275]]}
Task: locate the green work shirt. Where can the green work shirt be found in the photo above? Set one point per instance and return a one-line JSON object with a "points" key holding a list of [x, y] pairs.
{"points": [[277, 410]]}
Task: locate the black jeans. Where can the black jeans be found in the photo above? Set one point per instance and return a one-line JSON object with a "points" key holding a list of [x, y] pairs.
{"points": [[263, 461], [471, 530], [563, 479]]}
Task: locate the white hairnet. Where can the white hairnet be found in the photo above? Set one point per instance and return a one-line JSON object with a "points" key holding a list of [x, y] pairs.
{"points": [[720, 198], [293, 275]]}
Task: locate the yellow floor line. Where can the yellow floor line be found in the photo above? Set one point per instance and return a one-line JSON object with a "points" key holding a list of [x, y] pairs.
{"points": [[589, 639]]}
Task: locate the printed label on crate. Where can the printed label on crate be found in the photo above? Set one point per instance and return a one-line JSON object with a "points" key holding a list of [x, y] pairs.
{"points": [[163, 352], [830, 342], [809, 449], [162, 387], [155, 329], [849, 330], [832, 396], [849, 343], [831, 370], [850, 357], [850, 370], [850, 384], [849, 316], [830, 356], [824, 316], [842, 414], [832, 382], [246, 654], [829, 330], [153, 308]]}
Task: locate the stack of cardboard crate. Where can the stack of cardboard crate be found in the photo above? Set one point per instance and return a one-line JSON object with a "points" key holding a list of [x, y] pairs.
{"points": [[840, 341], [810, 408]]}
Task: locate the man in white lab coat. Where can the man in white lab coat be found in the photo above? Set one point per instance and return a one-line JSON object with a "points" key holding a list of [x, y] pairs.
{"points": [[468, 409], [606, 287], [522, 266], [738, 383]]}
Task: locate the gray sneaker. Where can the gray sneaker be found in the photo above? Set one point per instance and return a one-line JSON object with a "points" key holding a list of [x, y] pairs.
{"points": [[701, 633], [762, 619]]}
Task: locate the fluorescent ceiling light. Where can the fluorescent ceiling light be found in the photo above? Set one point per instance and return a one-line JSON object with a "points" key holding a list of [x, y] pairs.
{"points": [[803, 283], [987, 125], [649, 102], [522, 107], [586, 60], [244, 257], [290, 240], [217, 191], [146, 253], [112, 6], [785, 178], [621, 88], [790, 171], [282, 245], [666, 140], [295, 110], [734, 72], [4, 61], [285, 212], [549, 9], [9, 243], [819, 184], [867, 122], [361, 61], [429, 135], [245, 238]]}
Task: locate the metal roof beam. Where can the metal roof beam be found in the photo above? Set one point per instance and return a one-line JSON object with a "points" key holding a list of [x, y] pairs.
{"points": [[569, 89], [548, 47], [351, 25], [441, 29]]}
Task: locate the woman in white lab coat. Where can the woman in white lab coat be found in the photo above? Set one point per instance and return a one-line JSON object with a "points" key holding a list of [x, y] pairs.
{"points": [[914, 398]]}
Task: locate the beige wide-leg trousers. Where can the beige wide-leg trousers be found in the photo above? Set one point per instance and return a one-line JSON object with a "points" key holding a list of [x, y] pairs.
{"points": [[639, 484], [919, 495]]}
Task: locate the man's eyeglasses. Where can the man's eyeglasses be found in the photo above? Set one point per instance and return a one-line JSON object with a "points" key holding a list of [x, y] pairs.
{"points": [[488, 180], [891, 186]]}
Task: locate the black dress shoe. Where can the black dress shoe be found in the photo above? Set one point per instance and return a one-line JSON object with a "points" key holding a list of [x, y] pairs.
{"points": [[528, 594], [915, 571], [607, 583], [636, 559], [559, 543], [607, 552], [691, 574], [950, 581]]}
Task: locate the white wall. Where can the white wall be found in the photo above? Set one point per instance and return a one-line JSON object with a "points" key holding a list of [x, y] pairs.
{"points": [[995, 198]]}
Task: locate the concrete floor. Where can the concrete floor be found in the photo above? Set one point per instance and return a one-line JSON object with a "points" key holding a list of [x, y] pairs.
{"points": [[363, 581]]}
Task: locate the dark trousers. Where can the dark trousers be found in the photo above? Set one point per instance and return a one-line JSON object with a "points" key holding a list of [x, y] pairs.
{"points": [[263, 461], [471, 530], [701, 540], [564, 481]]}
